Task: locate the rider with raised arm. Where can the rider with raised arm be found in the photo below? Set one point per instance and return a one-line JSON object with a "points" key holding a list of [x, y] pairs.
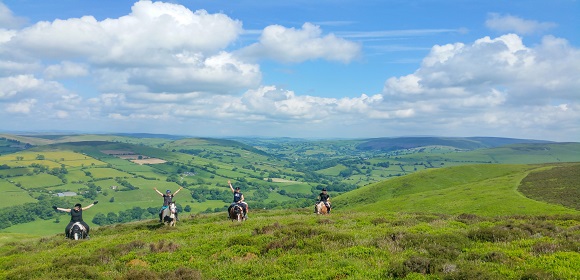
{"points": [[323, 197], [238, 199], [167, 198], [76, 215]]}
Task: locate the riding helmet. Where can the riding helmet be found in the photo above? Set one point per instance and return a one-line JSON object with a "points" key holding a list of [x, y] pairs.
{"points": [[78, 205], [167, 191]]}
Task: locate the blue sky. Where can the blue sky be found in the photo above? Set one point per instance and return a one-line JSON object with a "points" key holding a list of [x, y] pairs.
{"points": [[314, 69]]}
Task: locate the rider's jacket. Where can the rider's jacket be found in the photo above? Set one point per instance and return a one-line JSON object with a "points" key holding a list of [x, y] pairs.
{"points": [[237, 197], [167, 199], [76, 216], [323, 197]]}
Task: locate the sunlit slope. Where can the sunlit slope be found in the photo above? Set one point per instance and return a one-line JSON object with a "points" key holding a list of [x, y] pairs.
{"points": [[477, 189], [525, 153]]}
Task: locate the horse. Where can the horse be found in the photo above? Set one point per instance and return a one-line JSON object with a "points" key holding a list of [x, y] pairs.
{"points": [[77, 231], [321, 208], [236, 212], [168, 214]]}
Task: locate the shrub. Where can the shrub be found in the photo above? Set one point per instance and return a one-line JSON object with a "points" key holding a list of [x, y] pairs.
{"points": [[468, 218], [416, 264], [544, 248], [269, 229], [139, 274], [537, 274], [496, 234]]}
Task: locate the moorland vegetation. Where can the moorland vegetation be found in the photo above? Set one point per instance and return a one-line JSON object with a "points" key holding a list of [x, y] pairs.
{"points": [[430, 208]]}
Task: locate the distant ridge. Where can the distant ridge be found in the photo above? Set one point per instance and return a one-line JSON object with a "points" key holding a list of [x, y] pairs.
{"points": [[464, 143], [151, 135]]}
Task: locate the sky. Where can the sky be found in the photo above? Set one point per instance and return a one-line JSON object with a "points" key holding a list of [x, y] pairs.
{"points": [[302, 69]]}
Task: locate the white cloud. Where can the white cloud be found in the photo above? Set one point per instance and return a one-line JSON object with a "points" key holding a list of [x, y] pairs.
{"points": [[8, 20], [496, 84], [66, 69], [22, 107], [151, 34], [509, 23], [297, 45], [158, 47]]}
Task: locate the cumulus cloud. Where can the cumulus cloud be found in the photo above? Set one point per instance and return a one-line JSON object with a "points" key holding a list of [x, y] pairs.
{"points": [[509, 23], [297, 45], [8, 20], [493, 83], [157, 47]]}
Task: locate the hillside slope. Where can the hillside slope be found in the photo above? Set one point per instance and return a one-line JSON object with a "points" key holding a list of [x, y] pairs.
{"points": [[477, 189]]}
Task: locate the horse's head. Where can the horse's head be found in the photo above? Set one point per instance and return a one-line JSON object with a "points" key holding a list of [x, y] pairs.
{"points": [[172, 207], [77, 231]]}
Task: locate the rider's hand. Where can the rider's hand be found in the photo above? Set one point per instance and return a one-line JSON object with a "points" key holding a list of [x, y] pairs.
{"points": [[54, 207], [96, 201]]}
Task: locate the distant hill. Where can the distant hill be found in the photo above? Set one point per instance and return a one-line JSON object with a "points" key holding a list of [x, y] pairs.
{"points": [[466, 143]]}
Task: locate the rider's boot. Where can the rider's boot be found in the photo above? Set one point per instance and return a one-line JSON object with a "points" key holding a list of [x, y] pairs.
{"points": [[176, 217], [160, 219]]}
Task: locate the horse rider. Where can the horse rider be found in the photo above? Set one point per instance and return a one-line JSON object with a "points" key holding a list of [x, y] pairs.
{"points": [[323, 197], [167, 198], [238, 199], [76, 215]]}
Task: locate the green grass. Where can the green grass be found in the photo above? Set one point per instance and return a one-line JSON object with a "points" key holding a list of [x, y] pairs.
{"points": [[12, 195], [282, 245], [99, 173], [478, 189], [41, 180]]}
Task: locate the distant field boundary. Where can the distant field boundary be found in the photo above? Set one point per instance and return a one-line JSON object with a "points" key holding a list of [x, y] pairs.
{"points": [[149, 161], [124, 154], [280, 180]]}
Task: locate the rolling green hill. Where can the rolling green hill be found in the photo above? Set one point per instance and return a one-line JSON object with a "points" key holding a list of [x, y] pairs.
{"points": [[465, 222], [281, 173], [487, 190]]}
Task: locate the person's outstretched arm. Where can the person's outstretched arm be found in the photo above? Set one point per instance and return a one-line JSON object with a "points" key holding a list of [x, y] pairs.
{"points": [[231, 188], [90, 205], [61, 209], [158, 192], [180, 188]]}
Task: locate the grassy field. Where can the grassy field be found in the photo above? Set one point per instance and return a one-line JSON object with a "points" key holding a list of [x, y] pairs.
{"points": [[12, 195], [478, 189]]}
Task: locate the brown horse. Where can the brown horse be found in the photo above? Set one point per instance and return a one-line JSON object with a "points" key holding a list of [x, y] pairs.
{"points": [[321, 208], [236, 213]]}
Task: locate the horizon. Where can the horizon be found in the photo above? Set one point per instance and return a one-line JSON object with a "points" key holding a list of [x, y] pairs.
{"points": [[129, 134], [298, 69]]}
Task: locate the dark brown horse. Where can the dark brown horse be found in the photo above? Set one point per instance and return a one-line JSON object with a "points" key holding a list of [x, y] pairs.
{"points": [[236, 213]]}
